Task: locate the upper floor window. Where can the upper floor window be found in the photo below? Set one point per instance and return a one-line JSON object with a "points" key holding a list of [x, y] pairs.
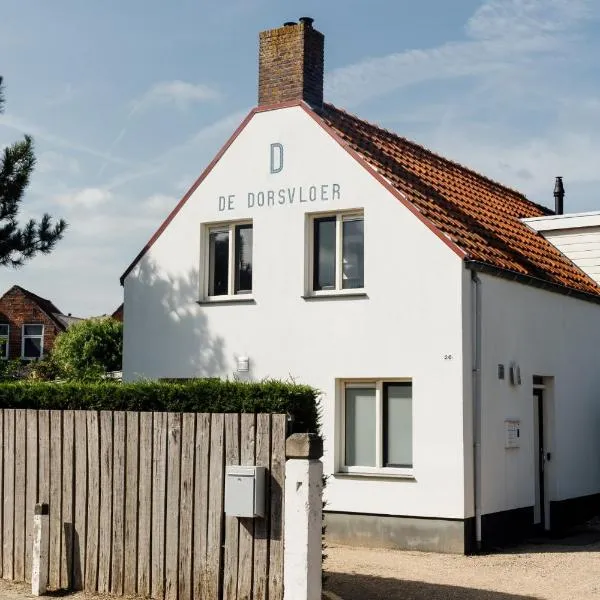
{"points": [[4, 334], [338, 252], [32, 344], [229, 260]]}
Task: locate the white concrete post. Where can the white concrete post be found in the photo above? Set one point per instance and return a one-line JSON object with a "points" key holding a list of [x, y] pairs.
{"points": [[303, 521], [39, 562]]}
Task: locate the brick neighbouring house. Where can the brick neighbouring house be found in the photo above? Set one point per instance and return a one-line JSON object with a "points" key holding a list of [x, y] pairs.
{"points": [[29, 324], [118, 314]]}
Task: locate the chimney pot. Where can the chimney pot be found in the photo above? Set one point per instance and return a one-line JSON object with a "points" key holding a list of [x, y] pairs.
{"points": [[291, 64], [559, 196]]}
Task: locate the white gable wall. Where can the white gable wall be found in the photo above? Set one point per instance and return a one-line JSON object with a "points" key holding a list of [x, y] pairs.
{"points": [[557, 337], [410, 325]]}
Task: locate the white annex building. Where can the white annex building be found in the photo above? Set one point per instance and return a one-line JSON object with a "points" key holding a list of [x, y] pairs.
{"points": [[456, 348]]}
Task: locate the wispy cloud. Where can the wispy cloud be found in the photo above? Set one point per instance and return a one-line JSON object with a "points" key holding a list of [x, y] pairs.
{"points": [[159, 204], [65, 95], [500, 34], [209, 137], [521, 19], [180, 94], [21, 125], [85, 198], [511, 99], [57, 163]]}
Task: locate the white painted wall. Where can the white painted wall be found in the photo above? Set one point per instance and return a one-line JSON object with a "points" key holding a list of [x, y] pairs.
{"points": [[551, 335], [411, 319]]}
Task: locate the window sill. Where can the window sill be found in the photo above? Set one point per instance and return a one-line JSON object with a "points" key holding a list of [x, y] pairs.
{"points": [[337, 295], [377, 473], [241, 299]]}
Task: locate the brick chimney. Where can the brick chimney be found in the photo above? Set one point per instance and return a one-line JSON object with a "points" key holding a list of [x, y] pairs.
{"points": [[291, 64]]}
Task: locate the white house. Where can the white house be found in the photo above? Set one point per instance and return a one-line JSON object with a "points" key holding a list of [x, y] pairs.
{"points": [[454, 346]]}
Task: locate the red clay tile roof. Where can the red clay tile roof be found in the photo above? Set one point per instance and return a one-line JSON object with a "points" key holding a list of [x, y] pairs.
{"points": [[479, 215]]}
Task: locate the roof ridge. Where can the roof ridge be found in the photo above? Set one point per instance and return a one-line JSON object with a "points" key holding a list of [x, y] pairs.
{"points": [[39, 298], [439, 157]]}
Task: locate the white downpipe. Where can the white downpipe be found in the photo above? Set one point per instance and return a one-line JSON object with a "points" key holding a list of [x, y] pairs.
{"points": [[477, 405]]}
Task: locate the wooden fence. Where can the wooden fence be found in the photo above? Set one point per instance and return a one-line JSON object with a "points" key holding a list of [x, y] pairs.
{"points": [[136, 502]]}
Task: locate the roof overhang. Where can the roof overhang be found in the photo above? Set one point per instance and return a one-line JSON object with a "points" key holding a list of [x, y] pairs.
{"points": [[563, 222], [542, 284]]}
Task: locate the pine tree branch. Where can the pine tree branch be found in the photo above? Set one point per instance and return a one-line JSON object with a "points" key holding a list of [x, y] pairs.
{"points": [[18, 243]]}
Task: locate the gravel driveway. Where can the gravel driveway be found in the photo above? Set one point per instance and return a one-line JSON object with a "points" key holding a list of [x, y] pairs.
{"points": [[568, 569], [565, 570]]}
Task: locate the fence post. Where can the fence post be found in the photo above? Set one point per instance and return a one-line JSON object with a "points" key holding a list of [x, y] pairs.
{"points": [[302, 556], [39, 562]]}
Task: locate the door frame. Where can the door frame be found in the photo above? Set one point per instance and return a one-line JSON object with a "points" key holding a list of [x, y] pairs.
{"points": [[541, 429]]}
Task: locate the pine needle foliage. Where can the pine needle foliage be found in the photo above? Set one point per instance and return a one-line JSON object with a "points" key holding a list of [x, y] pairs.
{"points": [[21, 242]]}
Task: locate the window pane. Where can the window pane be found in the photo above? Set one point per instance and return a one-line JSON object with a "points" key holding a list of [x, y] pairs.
{"points": [[219, 263], [32, 347], [360, 427], [3, 329], [243, 259], [353, 254], [397, 425], [324, 254], [33, 329]]}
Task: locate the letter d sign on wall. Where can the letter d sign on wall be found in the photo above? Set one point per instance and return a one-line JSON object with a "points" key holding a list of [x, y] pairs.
{"points": [[276, 158]]}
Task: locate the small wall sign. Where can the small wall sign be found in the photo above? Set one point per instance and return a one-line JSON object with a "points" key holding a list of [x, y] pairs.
{"points": [[512, 431]]}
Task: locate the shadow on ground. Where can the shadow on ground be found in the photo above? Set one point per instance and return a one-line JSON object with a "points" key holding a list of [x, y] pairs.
{"points": [[349, 586], [579, 538]]}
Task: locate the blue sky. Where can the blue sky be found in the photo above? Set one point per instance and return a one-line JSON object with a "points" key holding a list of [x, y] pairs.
{"points": [[129, 101]]}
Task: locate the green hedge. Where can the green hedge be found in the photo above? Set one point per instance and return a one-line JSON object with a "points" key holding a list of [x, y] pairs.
{"points": [[199, 395]]}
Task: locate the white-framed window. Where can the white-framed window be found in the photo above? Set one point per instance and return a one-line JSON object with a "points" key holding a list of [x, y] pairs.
{"points": [[4, 337], [336, 256], [228, 263], [376, 427], [32, 342]]}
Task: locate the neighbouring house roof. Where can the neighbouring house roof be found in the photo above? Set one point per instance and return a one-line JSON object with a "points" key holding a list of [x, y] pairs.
{"points": [[477, 217], [61, 320], [68, 320], [118, 314]]}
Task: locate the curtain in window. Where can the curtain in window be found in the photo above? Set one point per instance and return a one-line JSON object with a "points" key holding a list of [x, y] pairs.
{"points": [[360, 427], [397, 425], [324, 254], [353, 254], [243, 259], [219, 263]]}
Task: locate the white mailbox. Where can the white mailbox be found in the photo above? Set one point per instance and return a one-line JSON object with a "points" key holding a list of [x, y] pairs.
{"points": [[244, 491]]}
